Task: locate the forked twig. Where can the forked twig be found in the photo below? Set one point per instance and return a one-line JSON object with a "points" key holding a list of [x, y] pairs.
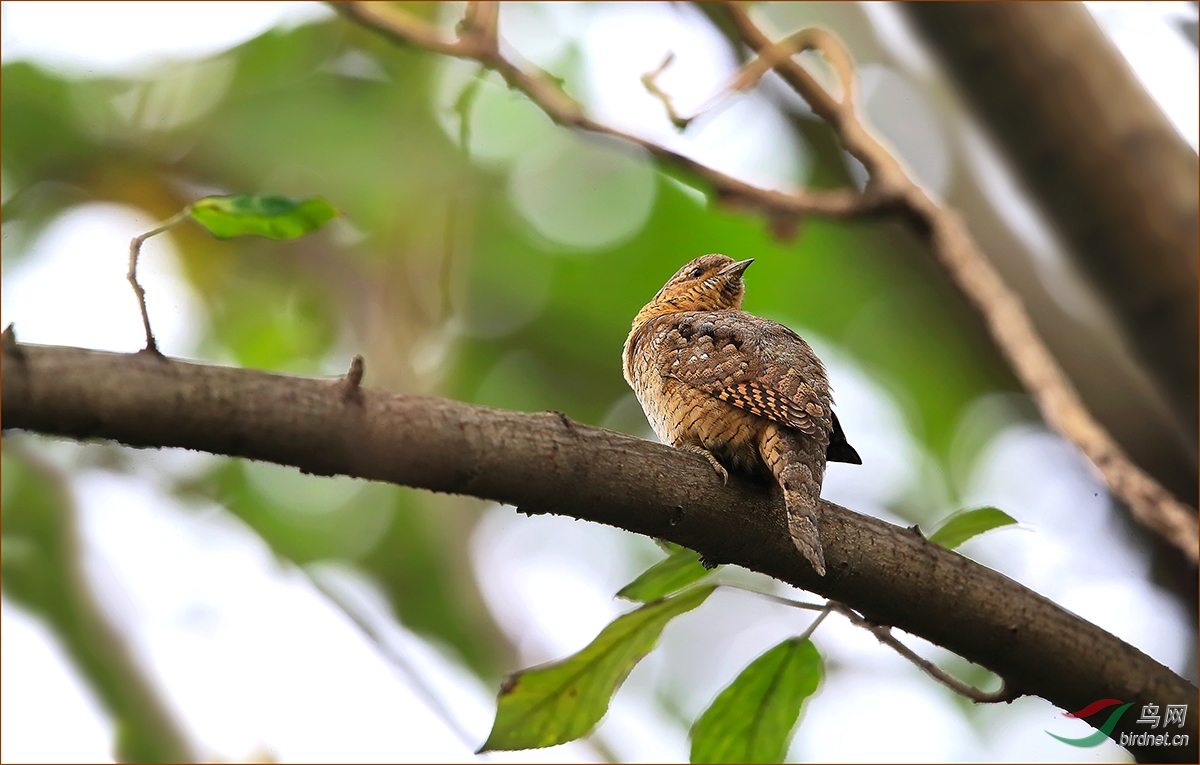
{"points": [[650, 82], [885, 636], [749, 75], [404, 28]]}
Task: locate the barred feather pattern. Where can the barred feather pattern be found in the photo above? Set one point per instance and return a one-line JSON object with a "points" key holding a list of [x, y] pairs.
{"points": [[754, 364], [798, 464], [746, 392]]}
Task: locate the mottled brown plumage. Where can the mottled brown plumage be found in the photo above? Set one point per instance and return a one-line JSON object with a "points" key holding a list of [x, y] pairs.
{"points": [[740, 390]]}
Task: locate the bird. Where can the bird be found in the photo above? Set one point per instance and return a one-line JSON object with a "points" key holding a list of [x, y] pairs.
{"points": [[744, 392]]}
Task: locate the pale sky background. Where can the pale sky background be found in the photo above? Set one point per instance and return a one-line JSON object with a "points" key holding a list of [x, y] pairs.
{"points": [[258, 663]]}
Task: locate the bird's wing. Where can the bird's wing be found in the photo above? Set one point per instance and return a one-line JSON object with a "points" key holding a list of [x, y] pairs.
{"points": [[753, 364]]}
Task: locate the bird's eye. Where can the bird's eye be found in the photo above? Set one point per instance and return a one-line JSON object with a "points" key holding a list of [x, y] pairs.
{"points": [[696, 273]]}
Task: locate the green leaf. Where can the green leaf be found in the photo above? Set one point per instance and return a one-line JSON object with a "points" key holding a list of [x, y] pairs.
{"points": [[671, 574], [752, 719], [560, 702], [965, 524], [266, 215]]}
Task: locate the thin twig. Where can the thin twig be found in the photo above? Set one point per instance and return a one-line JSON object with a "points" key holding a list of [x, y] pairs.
{"points": [[885, 636], [810, 38], [400, 26], [460, 209], [482, 20], [650, 82], [887, 175], [462, 107], [135, 249]]}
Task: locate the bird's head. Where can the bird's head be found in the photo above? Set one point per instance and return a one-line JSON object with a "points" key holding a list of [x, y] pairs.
{"points": [[708, 283]]}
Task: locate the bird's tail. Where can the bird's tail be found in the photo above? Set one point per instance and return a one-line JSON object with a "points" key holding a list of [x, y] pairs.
{"points": [[798, 463]]}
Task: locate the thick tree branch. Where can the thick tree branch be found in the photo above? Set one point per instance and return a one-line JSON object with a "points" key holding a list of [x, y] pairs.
{"points": [[545, 463], [890, 190]]}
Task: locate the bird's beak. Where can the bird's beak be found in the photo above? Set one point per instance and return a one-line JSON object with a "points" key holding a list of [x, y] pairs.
{"points": [[735, 270]]}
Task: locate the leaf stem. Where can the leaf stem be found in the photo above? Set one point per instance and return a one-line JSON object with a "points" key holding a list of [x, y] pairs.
{"points": [[816, 623], [776, 598], [135, 249]]}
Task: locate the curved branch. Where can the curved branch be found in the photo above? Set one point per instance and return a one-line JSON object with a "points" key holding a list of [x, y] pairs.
{"points": [[545, 463], [890, 190], [1000, 308], [404, 28]]}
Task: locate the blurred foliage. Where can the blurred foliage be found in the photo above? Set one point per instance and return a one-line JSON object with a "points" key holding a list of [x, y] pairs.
{"points": [[42, 570], [379, 528], [434, 277]]}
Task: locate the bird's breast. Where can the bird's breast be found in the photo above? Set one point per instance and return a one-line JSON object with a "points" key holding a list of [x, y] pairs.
{"points": [[681, 414]]}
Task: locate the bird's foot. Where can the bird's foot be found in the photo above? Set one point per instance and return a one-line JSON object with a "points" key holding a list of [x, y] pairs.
{"points": [[721, 471], [706, 454]]}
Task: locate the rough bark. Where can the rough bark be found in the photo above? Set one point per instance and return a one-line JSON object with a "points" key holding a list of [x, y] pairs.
{"points": [[1100, 157], [546, 463]]}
